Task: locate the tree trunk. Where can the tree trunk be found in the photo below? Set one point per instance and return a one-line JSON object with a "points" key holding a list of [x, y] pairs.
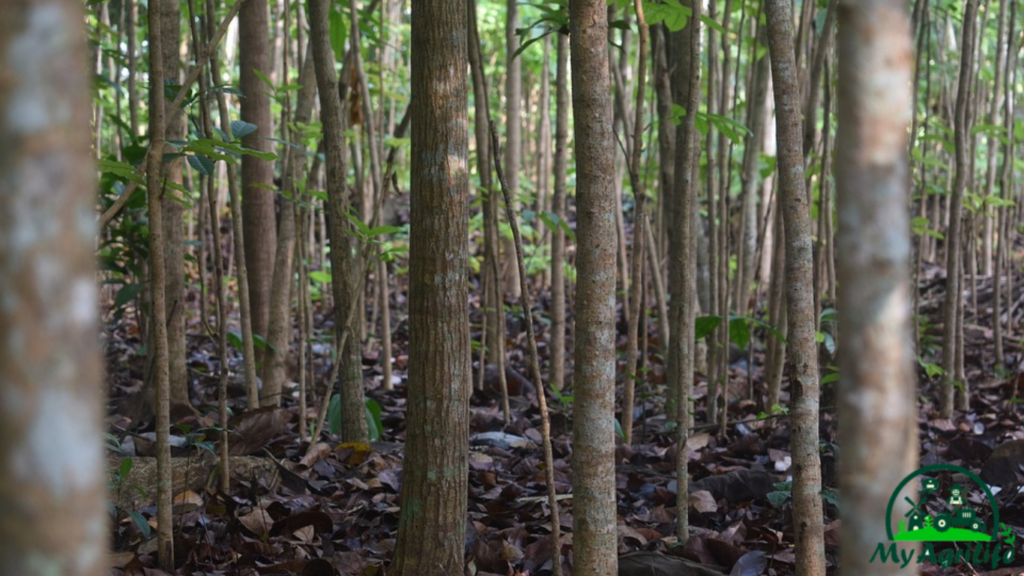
{"points": [[431, 529], [635, 299], [513, 137], [257, 175], [802, 363], [877, 387], [682, 261], [558, 312], [154, 186], [961, 130], [757, 113], [279, 332], [173, 215], [55, 518], [594, 515], [346, 268]]}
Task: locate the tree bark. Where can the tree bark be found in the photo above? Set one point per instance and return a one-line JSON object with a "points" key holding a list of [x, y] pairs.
{"points": [[558, 312], [154, 189], [802, 363], [257, 175], [682, 261], [639, 223], [280, 330], [55, 518], [594, 516], [961, 130], [173, 215], [346, 269], [513, 136], [877, 387], [757, 113], [431, 528]]}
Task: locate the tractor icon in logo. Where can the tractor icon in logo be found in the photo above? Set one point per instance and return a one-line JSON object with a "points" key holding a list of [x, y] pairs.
{"points": [[963, 518]]}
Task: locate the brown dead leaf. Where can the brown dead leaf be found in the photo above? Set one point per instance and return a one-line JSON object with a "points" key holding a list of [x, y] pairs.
{"points": [[254, 429], [702, 501], [258, 522]]}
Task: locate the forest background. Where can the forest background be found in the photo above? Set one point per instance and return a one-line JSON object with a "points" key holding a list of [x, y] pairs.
{"points": [[452, 286]]}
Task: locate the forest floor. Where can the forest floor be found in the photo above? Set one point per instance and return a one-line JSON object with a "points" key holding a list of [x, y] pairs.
{"points": [[334, 509]]}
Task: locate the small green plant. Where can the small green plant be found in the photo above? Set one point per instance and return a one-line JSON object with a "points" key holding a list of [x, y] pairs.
{"points": [[775, 411], [118, 482], [564, 398], [831, 376], [931, 369], [374, 427], [781, 493]]}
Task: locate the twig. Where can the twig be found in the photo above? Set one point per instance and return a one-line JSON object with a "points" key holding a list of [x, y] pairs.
{"points": [[545, 427]]}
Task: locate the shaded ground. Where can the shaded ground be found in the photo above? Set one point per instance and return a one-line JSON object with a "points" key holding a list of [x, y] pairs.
{"points": [[336, 510]]}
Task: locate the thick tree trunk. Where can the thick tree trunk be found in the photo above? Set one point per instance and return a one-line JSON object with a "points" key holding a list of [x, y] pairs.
{"points": [[431, 529], [55, 518], [257, 175], [173, 215], [594, 522], [877, 388], [802, 363]]}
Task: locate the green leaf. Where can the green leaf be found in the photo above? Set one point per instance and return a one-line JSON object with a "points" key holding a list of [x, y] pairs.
{"points": [[828, 315], [830, 343], [334, 415], [374, 427], [125, 468], [527, 44], [240, 129], [552, 220], [263, 77], [235, 339], [931, 369], [126, 294], [778, 498], [383, 230], [321, 276], [701, 122], [739, 330], [261, 342], [671, 12], [202, 164], [121, 169], [140, 522], [709, 22], [705, 325], [339, 32], [363, 229], [830, 496]]}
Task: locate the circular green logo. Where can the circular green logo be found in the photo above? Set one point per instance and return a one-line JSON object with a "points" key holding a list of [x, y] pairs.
{"points": [[957, 525]]}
